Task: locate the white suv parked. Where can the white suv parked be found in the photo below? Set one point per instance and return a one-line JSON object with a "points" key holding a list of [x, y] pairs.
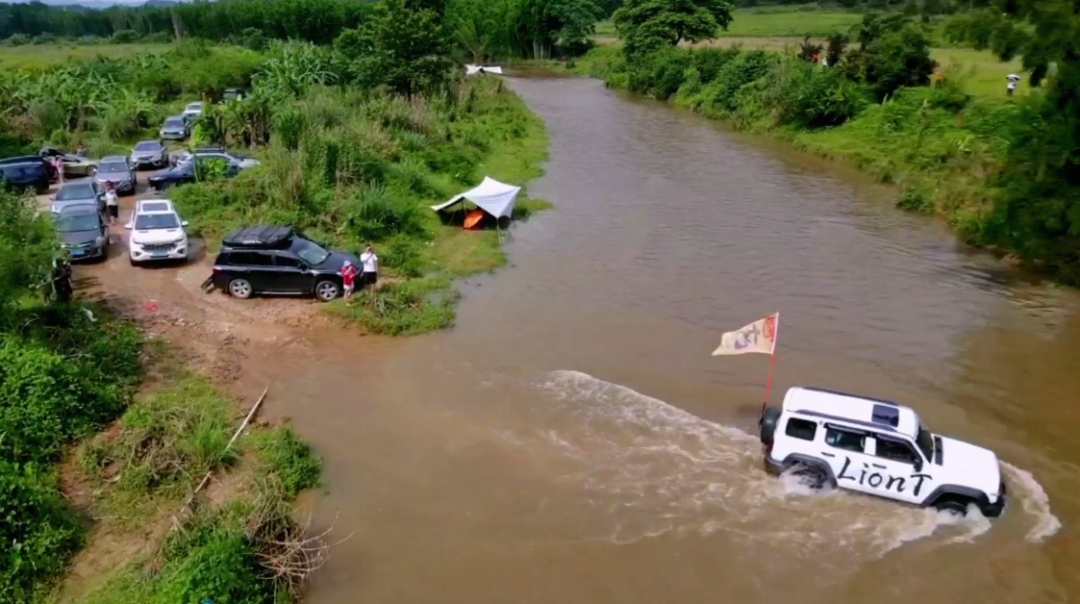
{"points": [[879, 448], [157, 232]]}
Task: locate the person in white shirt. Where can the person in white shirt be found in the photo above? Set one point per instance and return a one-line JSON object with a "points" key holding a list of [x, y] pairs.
{"points": [[112, 204], [370, 263]]}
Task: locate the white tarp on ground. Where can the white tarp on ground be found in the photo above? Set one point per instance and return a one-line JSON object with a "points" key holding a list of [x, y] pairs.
{"points": [[475, 69], [494, 197]]}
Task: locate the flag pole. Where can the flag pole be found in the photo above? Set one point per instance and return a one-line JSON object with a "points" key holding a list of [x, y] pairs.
{"points": [[768, 382], [772, 362]]}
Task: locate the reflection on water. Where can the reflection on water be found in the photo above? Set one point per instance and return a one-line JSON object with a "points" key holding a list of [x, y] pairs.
{"points": [[572, 439]]}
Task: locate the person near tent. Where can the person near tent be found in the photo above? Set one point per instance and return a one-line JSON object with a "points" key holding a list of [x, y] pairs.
{"points": [[370, 261], [348, 279]]}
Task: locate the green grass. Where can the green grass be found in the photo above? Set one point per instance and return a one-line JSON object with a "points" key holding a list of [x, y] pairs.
{"points": [[984, 74], [756, 23], [44, 55]]}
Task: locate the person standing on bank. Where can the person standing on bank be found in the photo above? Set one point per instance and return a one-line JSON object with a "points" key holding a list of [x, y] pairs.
{"points": [[112, 204], [370, 275], [348, 279]]}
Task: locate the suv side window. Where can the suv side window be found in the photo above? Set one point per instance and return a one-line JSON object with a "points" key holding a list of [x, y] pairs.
{"points": [[843, 439], [249, 258], [286, 261], [895, 450], [801, 429]]}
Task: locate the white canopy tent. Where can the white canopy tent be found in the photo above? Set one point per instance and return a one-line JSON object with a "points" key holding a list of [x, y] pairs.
{"points": [[494, 197], [476, 69]]}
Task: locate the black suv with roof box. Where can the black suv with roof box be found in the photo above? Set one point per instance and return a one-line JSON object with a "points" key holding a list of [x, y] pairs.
{"points": [[277, 260]]}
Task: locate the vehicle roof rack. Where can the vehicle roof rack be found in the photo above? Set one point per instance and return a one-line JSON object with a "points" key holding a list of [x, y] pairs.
{"points": [[259, 236]]}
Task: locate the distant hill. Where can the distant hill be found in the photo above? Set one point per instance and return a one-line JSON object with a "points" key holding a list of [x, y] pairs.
{"points": [[97, 4]]}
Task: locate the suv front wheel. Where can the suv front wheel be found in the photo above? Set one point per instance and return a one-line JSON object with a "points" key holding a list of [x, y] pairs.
{"points": [[240, 288], [327, 290]]}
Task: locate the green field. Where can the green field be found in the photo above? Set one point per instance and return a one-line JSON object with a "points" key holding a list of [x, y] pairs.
{"points": [[43, 55], [747, 23]]}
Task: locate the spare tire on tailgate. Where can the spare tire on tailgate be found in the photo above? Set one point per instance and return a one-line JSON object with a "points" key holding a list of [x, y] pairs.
{"points": [[769, 417]]}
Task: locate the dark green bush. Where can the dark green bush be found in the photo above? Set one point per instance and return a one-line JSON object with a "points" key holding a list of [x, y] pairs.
{"points": [[125, 36], [38, 531], [659, 74], [817, 98], [897, 59]]}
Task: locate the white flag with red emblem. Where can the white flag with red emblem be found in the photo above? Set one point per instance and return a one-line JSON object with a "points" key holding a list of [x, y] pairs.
{"points": [[759, 336]]}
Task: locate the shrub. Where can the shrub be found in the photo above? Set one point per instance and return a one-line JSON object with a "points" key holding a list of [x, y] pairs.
{"points": [[124, 36], [39, 533], [17, 40], [290, 460], [659, 74], [897, 59]]}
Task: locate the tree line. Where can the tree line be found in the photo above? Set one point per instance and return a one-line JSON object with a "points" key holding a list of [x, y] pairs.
{"points": [[317, 21]]}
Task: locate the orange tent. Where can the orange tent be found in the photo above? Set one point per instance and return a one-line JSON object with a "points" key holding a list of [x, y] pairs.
{"points": [[473, 219]]}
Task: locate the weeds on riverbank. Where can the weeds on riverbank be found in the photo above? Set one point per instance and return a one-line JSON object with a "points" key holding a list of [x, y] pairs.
{"points": [[239, 544]]}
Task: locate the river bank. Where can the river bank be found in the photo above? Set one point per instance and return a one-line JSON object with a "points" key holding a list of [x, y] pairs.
{"points": [[943, 149]]}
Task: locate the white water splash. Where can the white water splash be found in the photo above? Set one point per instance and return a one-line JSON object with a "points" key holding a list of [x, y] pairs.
{"points": [[656, 468], [1034, 501]]}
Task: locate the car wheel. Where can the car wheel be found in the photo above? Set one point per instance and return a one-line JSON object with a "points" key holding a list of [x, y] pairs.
{"points": [[811, 474], [954, 505], [327, 290], [240, 288], [91, 171], [132, 261]]}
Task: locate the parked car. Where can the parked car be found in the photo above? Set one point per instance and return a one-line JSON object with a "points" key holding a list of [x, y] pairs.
{"points": [[277, 260], [74, 165], [193, 111], [23, 176], [118, 170], [242, 161], [175, 128], [157, 233], [184, 172], [150, 153], [78, 193], [50, 170], [233, 94], [83, 230], [878, 448]]}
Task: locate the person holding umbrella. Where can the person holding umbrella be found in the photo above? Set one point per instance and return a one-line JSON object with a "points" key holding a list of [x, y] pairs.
{"points": [[1012, 80]]}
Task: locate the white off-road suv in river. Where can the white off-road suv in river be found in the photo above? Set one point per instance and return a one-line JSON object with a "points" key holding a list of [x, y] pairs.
{"points": [[879, 448]]}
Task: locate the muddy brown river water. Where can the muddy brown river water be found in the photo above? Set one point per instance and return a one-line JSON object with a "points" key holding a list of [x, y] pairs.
{"points": [[571, 440]]}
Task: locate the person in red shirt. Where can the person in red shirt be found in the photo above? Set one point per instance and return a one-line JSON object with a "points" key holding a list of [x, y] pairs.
{"points": [[348, 278]]}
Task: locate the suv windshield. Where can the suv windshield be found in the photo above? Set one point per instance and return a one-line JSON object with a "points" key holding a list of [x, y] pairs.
{"points": [[309, 252], [148, 146], [194, 107], [147, 222], [925, 440], [70, 192], [69, 223], [174, 123], [112, 167]]}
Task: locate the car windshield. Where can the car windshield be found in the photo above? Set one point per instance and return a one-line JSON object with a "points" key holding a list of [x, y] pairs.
{"points": [[69, 223], [195, 107], [309, 252], [154, 206], [148, 146], [925, 440], [79, 191], [112, 168], [174, 122], [147, 222]]}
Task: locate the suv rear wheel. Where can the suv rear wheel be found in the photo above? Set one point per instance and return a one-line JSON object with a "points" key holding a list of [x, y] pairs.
{"points": [[769, 418], [327, 290], [240, 288], [956, 504]]}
